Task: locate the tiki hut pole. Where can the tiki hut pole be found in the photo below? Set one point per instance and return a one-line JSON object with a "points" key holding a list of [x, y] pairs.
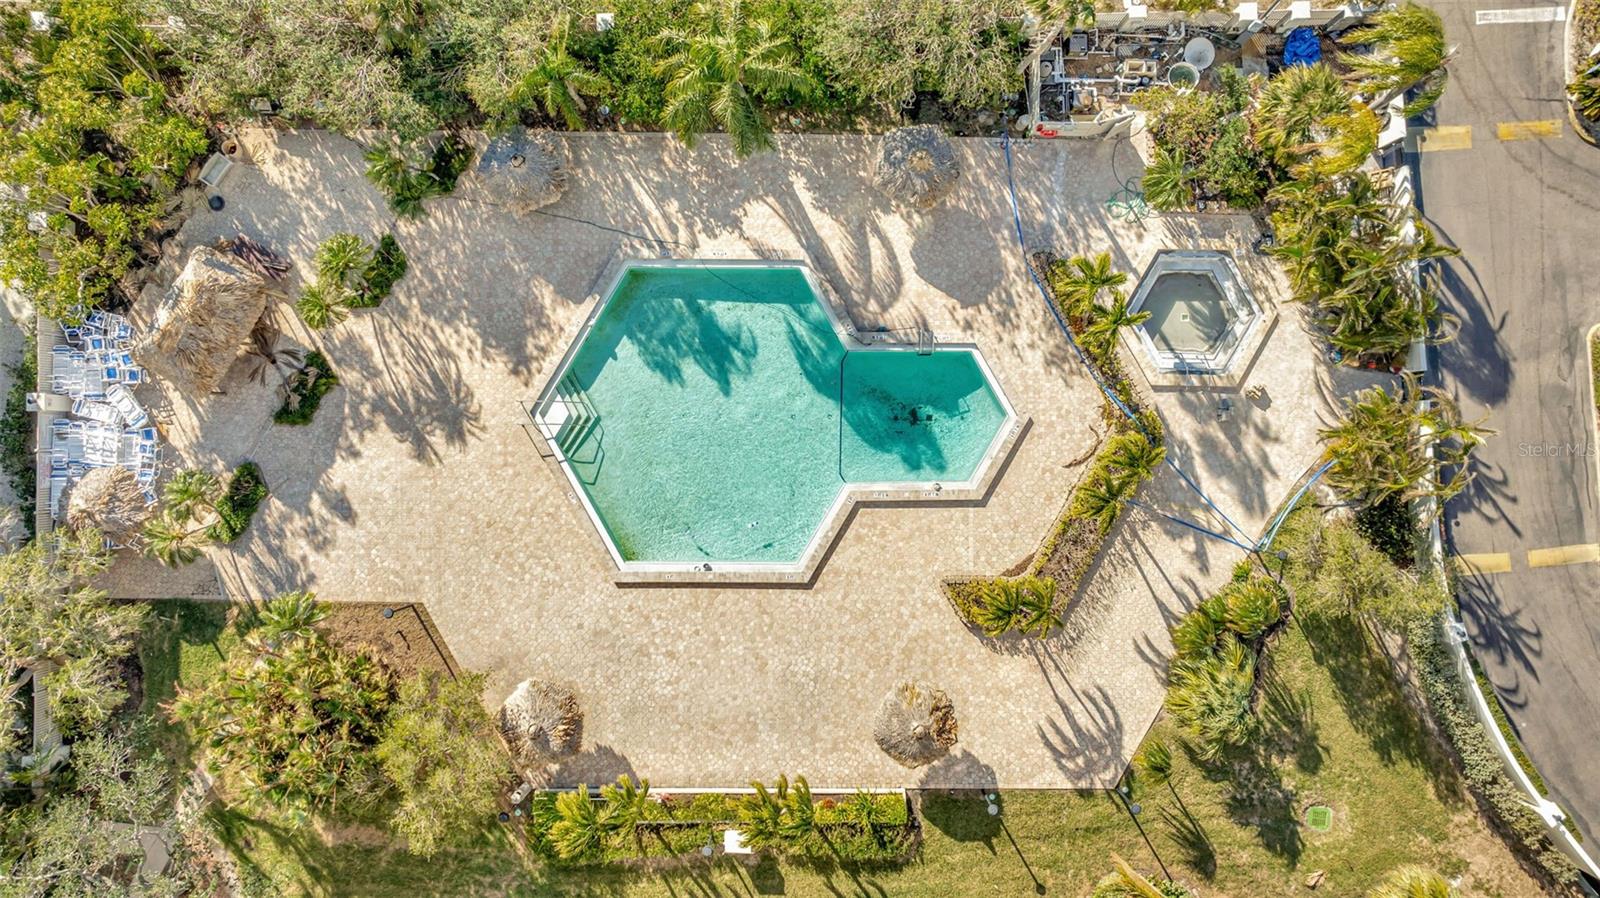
{"points": [[917, 166], [109, 500]]}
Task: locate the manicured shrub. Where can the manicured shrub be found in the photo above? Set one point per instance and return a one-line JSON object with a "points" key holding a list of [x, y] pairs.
{"points": [[16, 432], [406, 185], [1213, 698], [1391, 527], [1480, 763], [388, 265], [1252, 607], [305, 390], [246, 491]]}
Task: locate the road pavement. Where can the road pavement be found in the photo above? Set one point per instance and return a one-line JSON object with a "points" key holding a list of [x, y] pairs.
{"points": [[1505, 179]]}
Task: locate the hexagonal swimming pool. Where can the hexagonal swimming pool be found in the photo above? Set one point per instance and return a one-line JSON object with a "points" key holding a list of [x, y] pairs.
{"points": [[1200, 311], [716, 417]]}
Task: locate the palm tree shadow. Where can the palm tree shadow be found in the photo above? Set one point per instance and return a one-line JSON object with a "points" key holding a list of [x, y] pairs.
{"points": [[1191, 838]]}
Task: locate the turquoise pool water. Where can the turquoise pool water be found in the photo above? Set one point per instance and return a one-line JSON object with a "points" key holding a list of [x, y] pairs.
{"points": [[719, 416]]}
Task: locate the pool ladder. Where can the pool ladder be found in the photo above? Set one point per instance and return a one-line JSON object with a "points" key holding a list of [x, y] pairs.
{"points": [[925, 341]]}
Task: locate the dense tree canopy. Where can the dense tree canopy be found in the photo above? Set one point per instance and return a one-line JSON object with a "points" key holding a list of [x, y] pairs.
{"points": [[90, 151], [292, 717], [49, 615], [443, 759]]}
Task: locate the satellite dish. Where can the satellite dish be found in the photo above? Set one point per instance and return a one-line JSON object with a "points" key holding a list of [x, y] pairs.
{"points": [[1200, 53]]}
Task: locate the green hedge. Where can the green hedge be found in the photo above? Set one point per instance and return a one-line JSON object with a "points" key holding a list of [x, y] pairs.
{"points": [[307, 389], [16, 430], [1074, 542], [687, 823], [246, 491], [388, 265], [1480, 763]]}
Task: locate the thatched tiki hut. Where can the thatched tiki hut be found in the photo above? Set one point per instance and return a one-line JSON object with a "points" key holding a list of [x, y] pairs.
{"points": [[541, 723], [915, 725], [522, 170], [109, 500], [918, 166], [206, 318]]}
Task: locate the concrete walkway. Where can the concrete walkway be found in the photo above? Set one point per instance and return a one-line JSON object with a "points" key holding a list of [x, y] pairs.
{"points": [[415, 483]]}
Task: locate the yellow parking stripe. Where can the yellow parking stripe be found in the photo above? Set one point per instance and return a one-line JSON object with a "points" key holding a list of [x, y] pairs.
{"points": [[1580, 554], [1528, 130], [1485, 563], [1444, 137]]}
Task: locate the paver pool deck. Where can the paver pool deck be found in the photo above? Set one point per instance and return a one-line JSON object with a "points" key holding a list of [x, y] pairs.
{"points": [[415, 482]]}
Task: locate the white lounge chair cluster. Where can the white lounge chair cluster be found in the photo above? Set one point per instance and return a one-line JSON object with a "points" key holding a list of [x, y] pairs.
{"points": [[108, 427]]}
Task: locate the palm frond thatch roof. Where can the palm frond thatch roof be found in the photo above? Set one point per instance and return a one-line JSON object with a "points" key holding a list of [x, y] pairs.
{"points": [[110, 501], [541, 723], [523, 170], [915, 724], [207, 316], [918, 166]]}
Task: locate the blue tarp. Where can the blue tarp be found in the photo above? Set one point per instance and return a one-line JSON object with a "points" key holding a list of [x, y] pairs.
{"points": [[1302, 48]]}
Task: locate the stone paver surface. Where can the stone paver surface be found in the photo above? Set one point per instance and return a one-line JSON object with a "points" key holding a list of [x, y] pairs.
{"points": [[415, 483]]}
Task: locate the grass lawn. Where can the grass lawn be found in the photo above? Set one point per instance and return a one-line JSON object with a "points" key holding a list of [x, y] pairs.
{"points": [[1337, 733]]}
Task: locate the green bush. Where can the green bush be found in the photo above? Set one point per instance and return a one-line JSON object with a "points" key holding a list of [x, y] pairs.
{"points": [[306, 388], [387, 266], [16, 431], [246, 491], [1391, 527], [1480, 763], [407, 186]]}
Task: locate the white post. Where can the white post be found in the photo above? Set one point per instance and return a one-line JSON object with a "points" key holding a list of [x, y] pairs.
{"points": [[1137, 14], [1299, 14], [1247, 17]]}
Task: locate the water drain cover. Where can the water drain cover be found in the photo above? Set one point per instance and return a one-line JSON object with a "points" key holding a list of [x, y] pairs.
{"points": [[1319, 817]]}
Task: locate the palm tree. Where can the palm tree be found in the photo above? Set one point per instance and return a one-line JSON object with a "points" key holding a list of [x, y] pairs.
{"points": [[1585, 93], [1057, 17], [761, 817], [339, 256], [1292, 105], [628, 808], [800, 813], [1413, 882], [720, 72], [1212, 697], [191, 492], [1166, 182], [1135, 454], [174, 541], [1105, 321], [292, 614], [1155, 759], [579, 830], [1038, 608], [1253, 606], [1390, 444], [1079, 282], [558, 81], [1101, 497], [322, 306], [397, 24], [999, 606], [1408, 50], [1126, 882], [263, 350]]}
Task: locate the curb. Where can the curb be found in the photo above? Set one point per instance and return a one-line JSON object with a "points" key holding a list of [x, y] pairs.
{"points": [[1568, 72], [1594, 401]]}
